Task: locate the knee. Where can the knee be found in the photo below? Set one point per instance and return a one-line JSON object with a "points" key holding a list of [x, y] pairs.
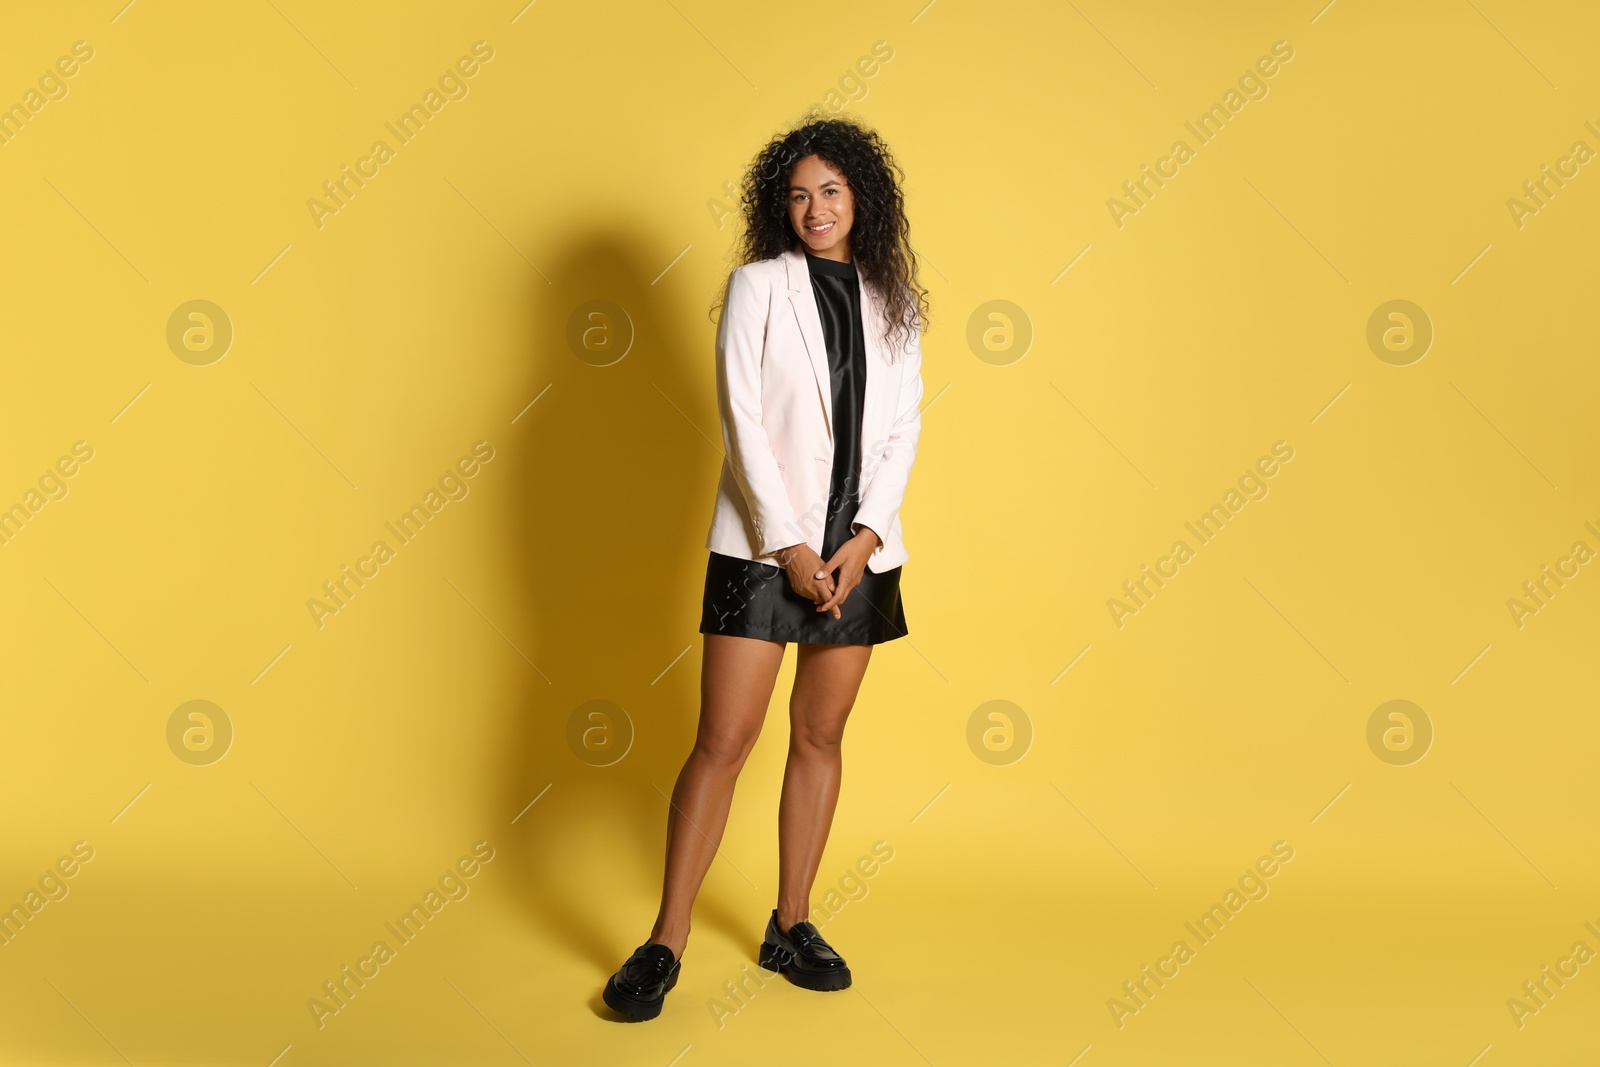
{"points": [[723, 749], [811, 736]]}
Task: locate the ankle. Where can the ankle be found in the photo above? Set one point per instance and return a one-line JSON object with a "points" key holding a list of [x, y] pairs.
{"points": [[674, 937]]}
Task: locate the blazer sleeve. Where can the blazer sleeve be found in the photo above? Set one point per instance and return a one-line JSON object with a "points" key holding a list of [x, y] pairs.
{"points": [[880, 503], [741, 340]]}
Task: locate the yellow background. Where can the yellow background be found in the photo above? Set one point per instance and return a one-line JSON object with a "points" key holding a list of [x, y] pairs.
{"points": [[587, 162]]}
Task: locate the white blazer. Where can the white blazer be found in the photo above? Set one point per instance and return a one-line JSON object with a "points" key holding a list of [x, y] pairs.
{"points": [[776, 405]]}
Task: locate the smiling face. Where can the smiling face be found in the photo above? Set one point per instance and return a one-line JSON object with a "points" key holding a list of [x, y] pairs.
{"points": [[821, 208]]}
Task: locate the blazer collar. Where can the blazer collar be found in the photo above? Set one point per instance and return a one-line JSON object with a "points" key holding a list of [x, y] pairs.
{"points": [[804, 301]]}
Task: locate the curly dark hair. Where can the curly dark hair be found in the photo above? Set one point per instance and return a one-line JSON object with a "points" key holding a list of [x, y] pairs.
{"points": [[880, 236]]}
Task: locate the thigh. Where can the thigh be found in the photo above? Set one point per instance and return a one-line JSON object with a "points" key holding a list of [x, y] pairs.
{"points": [[736, 679], [826, 681]]}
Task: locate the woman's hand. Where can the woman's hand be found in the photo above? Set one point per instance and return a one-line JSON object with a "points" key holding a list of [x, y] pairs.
{"points": [[807, 576], [850, 561]]}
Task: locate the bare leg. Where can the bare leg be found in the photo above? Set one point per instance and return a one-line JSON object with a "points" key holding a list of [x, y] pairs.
{"points": [[827, 678], [736, 680]]}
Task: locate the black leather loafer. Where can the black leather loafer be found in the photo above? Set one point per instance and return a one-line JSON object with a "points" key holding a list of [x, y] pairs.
{"points": [[803, 957], [642, 982]]}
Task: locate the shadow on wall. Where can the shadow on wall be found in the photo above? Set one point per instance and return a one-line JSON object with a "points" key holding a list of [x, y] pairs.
{"points": [[617, 467]]}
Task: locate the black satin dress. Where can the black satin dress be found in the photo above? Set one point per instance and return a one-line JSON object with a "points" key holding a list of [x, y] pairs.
{"points": [[748, 598]]}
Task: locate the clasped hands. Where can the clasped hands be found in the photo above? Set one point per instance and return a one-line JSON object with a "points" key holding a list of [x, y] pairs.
{"points": [[814, 579]]}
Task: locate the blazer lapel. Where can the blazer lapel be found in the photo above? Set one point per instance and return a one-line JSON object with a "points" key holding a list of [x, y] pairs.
{"points": [[804, 302], [871, 322]]}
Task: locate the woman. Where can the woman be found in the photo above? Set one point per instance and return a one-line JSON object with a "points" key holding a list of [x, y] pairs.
{"points": [[818, 385]]}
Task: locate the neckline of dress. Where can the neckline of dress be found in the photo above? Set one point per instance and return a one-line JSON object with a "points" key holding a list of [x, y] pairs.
{"points": [[822, 265]]}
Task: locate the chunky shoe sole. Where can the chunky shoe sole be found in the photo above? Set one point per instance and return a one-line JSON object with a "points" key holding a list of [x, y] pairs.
{"points": [[772, 959], [634, 1009]]}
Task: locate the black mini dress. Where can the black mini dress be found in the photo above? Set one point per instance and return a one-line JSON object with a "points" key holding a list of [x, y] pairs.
{"points": [[748, 598]]}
